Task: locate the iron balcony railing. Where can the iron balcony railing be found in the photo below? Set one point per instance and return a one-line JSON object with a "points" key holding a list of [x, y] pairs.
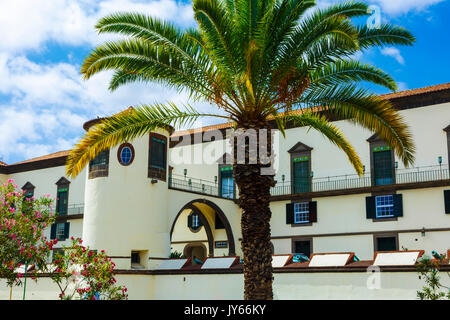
{"points": [[72, 209], [331, 183], [345, 182], [200, 186]]}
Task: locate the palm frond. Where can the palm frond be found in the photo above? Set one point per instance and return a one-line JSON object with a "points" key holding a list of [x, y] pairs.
{"points": [[321, 124], [367, 110], [348, 71], [126, 127]]}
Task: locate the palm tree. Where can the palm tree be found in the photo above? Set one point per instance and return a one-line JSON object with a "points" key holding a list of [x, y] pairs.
{"points": [[256, 61]]}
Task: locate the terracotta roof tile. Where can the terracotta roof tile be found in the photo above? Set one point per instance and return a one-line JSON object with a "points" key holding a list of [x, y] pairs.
{"points": [[2, 163], [412, 92], [48, 156]]}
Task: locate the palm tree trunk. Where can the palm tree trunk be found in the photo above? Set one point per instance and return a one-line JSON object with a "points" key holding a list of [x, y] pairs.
{"points": [[254, 199]]}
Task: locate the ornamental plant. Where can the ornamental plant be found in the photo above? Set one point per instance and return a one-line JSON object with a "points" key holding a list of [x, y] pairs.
{"points": [[22, 221], [85, 274], [429, 269]]}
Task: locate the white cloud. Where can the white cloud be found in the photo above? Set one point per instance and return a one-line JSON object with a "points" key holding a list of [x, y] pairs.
{"points": [[47, 105], [394, 53], [71, 22], [402, 86], [396, 7]]}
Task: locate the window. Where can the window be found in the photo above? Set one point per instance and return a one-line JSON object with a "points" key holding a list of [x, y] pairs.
{"points": [[99, 166], [135, 257], [226, 182], [62, 196], [157, 157], [301, 212], [218, 222], [386, 243], [56, 253], [28, 190], [194, 222], [302, 246], [384, 206], [125, 154], [301, 174], [60, 231], [62, 201], [383, 165], [447, 201]]}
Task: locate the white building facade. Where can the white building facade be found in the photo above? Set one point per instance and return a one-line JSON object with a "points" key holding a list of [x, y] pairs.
{"points": [[171, 192]]}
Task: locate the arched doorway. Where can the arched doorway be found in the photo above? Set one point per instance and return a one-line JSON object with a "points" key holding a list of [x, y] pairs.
{"points": [[195, 252], [203, 208]]}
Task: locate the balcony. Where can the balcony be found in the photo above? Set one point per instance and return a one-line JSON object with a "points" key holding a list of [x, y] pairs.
{"points": [[194, 185], [407, 176], [351, 183], [74, 211]]}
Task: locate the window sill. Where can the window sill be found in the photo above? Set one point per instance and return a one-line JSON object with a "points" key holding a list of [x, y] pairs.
{"points": [[385, 219], [305, 224]]}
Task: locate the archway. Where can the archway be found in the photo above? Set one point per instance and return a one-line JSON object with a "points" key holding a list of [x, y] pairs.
{"points": [[195, 206]]}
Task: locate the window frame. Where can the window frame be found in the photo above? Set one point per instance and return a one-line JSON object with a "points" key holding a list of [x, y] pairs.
{"points": [[99, 170], [220, 167], [376, 142], [385, 235], [300, 150], [154, 171], [305, 239], [300, 212], [119, 153], [389, 205]]}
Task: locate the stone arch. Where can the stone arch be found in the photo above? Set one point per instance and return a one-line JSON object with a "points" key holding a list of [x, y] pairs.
{"points": [[220, 214]]}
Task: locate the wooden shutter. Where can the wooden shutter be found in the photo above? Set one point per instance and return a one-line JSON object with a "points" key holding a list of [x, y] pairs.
{"points": [[190, 221], [313, 211], [289, 213], [66, 230], [447, 201], [370, 208], [398, 205], [53, 231]]}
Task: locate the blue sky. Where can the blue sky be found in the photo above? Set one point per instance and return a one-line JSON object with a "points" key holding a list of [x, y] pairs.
{"points": [[44, 101]]}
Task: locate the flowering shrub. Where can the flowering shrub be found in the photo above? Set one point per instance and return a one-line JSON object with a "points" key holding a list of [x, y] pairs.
{"points": [[81, 273], [22, 221]]}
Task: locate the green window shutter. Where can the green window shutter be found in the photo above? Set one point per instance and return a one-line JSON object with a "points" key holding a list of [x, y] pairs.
{"points": [[66, 230], [313, 211], [289, 213], [382, 166], [370, 208], [447, 201], [53, 231], [398, 205]]}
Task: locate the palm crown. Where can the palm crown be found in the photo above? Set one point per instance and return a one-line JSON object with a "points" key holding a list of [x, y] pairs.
{"points": [[255, 60]]}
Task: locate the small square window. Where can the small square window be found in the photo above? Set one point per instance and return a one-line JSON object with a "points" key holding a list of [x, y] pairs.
{"points": [[384, 206], [386, 244], [301, 212], [135, 258]]}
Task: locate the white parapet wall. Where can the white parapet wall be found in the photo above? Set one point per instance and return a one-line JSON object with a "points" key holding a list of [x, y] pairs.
{"points": [[385, 285]]}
